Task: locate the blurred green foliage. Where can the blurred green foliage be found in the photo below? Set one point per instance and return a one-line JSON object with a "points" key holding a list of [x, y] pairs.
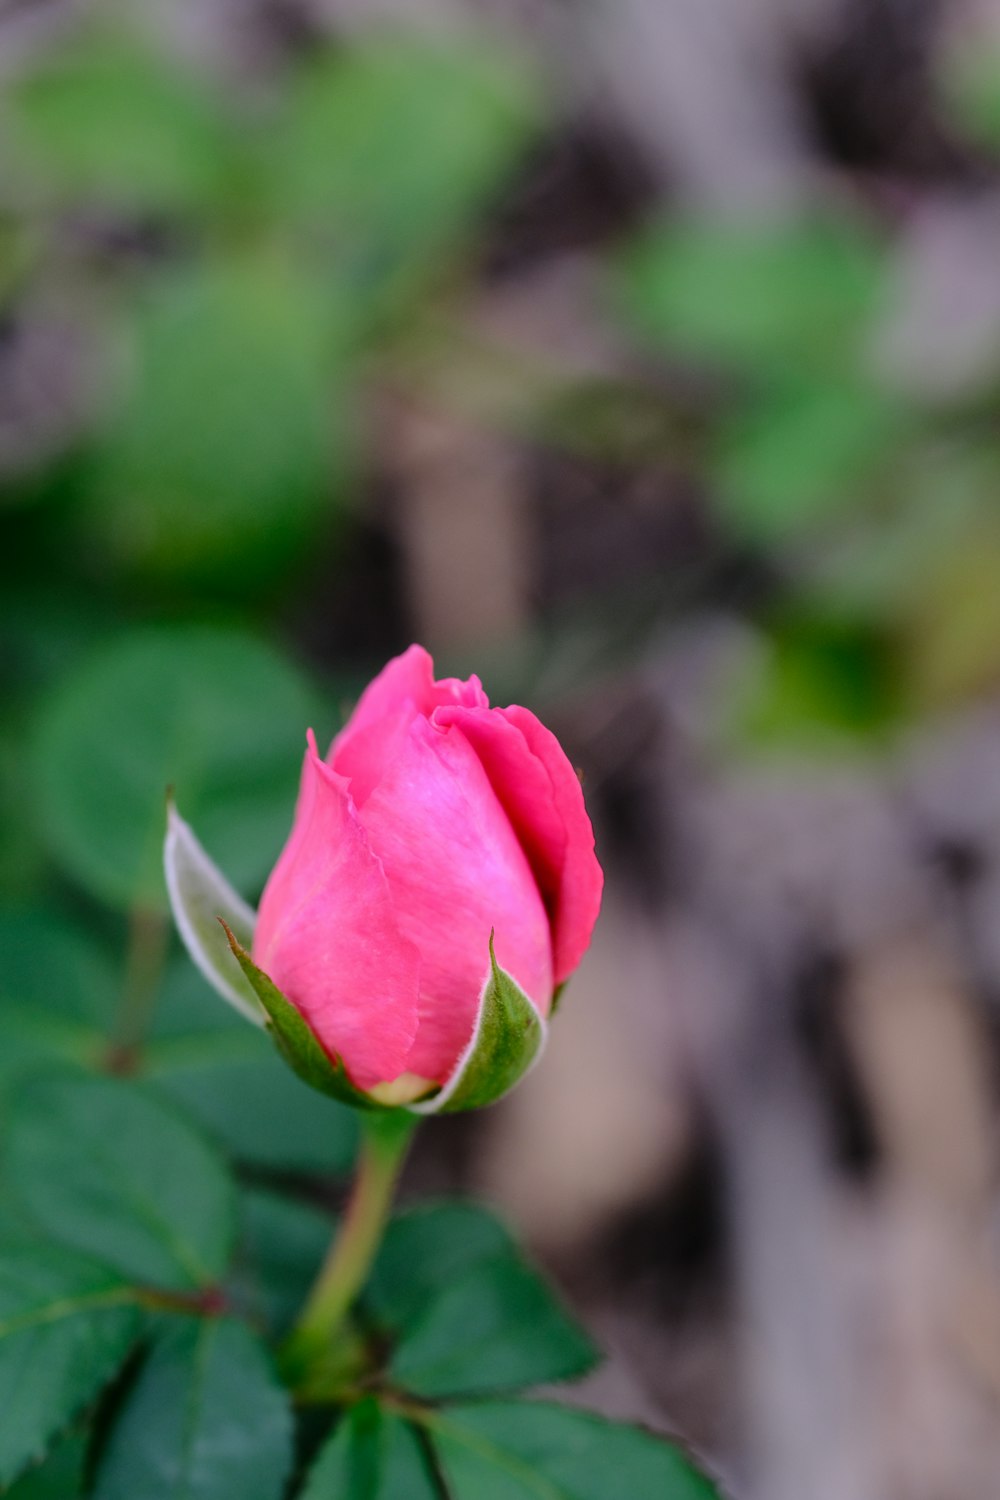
{"points": [[242, 256], [212, 713], [226, 259], [795, 299], [109, 119], [825, 684], [226, 256], [873, 505], [232, 266], [386, 153], [220, 452], [238, 261], [970, 88], [232, 254]]}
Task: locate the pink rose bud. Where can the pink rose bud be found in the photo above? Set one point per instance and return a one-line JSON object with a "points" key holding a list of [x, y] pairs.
{"points": [[441, 861], [434, 821]]}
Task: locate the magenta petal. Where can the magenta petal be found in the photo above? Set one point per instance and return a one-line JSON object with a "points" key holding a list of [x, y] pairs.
{"points": [[541, 795], [328, 937], [404, 690], [456, 872]]}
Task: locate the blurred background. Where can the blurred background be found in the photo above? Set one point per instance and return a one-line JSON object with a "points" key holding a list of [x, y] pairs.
{"points": [[643, 356]]}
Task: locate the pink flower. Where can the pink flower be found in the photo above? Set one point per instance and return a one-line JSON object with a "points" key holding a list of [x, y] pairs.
{"points": [[434, 820]]}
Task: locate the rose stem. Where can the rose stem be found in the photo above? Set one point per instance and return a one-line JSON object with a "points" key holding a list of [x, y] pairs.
{"points": [[147, 951], [385, 1137]]}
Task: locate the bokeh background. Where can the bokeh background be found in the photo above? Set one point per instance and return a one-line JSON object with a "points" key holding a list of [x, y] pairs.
{"points": [[643, 356]]}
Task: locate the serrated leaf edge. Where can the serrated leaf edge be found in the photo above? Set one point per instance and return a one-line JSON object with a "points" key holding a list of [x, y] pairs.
{"points": [[447, 1419]]}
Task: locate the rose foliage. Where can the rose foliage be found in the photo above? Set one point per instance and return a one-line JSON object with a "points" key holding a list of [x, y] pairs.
{"points": [[178, 1319]]}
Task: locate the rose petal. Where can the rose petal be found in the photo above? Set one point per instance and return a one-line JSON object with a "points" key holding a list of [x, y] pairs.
{"points": [[541, 795], [376, 730], [328, 937], [456, 872]]}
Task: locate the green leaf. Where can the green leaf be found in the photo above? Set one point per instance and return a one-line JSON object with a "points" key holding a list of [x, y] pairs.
{"points": [[802, 455], [47, 626], [66, 1325], [218, 463], [825, 685], [199, 895], [468, 1315], [283, 1243], [188, 1017], [108, 117], [425, 1250], [52, 964], [224, 1074], [465, 115], [258, 1112], [970, 85], [23, 872], [507, 1041], [513, 1450], [57, 991], [295, 1040], [785, 295], [371, 1456], [214, 713], [58, 1477], [58, 999], [102, 1166], [206, 1420], [498, 1328]]}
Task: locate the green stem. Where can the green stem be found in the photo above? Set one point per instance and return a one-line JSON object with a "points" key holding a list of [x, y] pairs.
{"points": [[385, 1138], [147, 951]]}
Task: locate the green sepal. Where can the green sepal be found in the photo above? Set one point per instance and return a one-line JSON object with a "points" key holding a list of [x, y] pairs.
{"points": [[294, 1038], [200, 897], [508, 1039]]}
